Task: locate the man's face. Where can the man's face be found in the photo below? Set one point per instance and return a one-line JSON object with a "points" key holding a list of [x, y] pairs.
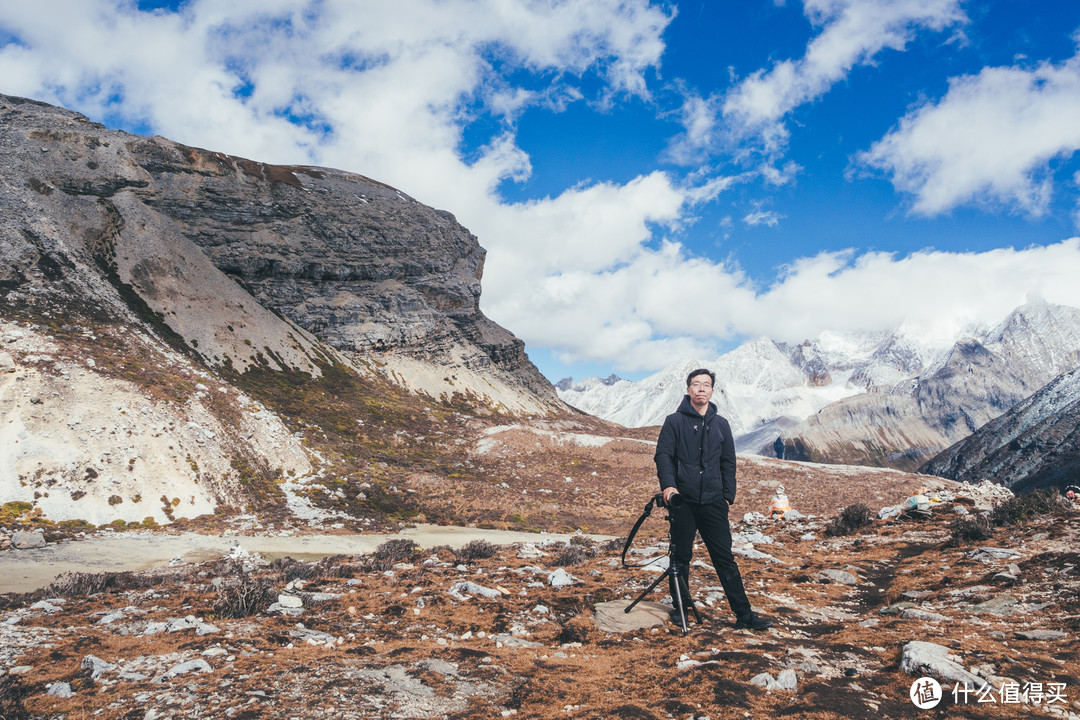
{"points": [[700, 390]]}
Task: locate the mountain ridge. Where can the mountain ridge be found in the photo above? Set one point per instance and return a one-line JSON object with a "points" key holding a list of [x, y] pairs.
{"points": [[920, 396]]}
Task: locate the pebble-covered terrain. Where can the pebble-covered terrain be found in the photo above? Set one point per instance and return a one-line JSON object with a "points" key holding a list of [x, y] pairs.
{"points": [[862, 612]]}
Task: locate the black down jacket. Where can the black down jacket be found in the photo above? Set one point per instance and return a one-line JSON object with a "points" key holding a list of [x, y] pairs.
{"points": [[696, 455]]}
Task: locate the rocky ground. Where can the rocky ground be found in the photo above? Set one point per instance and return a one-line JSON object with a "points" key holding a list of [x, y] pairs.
{"points": [[526, 630]]}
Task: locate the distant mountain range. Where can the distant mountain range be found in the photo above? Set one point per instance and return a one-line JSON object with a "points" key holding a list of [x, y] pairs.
{"points": [[891, 399]]}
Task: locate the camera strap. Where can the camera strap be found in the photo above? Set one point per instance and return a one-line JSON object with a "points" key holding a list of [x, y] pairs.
{"points": [[637, 526]]}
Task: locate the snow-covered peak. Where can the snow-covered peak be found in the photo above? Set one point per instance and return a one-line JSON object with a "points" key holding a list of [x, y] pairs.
{"points": [[1038, 339], [761, 381]]}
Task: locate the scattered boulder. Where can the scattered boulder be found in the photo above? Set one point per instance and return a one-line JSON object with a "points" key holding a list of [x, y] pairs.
{"points": [[920, 658], [612, 616], [786, 681], [96, 666], [7, 364], [561, 578], [1041, 635], [60, 690], [839, 576], [465, 590], [183, 668], [528, 551], [27, 540]]}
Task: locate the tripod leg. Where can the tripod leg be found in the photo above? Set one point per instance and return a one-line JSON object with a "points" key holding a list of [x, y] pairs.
{"points": [[684, 589], [678, 584], [645, 592]]}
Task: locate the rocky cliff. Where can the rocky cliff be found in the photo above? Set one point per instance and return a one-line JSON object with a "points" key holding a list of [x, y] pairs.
{"points": [[360, 265], [207, 310]]}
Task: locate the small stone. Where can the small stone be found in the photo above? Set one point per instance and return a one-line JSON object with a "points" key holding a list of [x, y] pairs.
{"points": [[60, 690], [1041, 635], [287, 600]]}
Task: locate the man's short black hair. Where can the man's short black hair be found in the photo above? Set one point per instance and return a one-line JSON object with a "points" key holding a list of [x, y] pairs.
{"points": [[701, 371]]}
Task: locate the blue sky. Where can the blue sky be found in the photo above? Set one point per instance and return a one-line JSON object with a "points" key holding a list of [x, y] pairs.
{"points": [[651, 179]]}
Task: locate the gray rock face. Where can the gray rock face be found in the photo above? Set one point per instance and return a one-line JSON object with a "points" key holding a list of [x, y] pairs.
{"points": [[215, 246], [1035, 444]]}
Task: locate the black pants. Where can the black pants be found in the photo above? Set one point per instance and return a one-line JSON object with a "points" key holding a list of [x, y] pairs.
{"points": [[711, 520]]}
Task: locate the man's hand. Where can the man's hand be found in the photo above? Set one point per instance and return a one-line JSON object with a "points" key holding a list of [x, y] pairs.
{"points": [[668, 492]]}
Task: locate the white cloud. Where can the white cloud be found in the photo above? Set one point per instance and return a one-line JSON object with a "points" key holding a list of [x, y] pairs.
{"points": [[934, 290], [664, 303], [386, 89], [762, 217], [990, 140], [852, 32]]}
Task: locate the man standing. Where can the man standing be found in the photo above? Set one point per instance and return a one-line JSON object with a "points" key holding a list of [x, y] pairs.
{"points": [[695, 457]]}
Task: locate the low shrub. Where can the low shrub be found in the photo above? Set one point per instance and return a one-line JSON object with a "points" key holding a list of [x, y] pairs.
{"points": [[243, 596], [85, 584], [392, 552], [572, 554], [850, 519], [971, 529], [1023, 508], [12, 694], [476, 550]]}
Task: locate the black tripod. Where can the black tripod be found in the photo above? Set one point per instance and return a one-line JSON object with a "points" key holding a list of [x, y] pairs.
{"points": [[677, 582]]}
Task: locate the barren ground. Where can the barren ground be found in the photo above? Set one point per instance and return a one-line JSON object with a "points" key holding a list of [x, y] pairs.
{"points": [[396, 633]]}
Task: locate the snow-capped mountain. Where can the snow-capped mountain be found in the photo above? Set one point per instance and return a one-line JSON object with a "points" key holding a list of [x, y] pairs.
{"points": [[966, 386], [1035, 444], [934, 389], [757, 383]]}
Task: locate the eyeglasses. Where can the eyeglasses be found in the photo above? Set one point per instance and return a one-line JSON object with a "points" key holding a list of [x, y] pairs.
{"points": [[701, 385]]}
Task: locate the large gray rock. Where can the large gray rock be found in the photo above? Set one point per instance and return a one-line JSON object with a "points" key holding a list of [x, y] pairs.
{"points": [[7, 364], [612, 616], [921, 658], [27, 540]]}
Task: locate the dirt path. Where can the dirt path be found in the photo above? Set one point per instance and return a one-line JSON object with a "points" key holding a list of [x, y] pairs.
{"points": [[27, 570]]}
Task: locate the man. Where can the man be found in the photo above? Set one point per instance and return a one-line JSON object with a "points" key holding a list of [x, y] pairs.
{"points": [[695, 457]]}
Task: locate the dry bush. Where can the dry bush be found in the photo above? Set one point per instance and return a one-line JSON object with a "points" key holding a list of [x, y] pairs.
{"points": [[1023, 508], [243, 596], [572, 554], [973, 529], [392, 552], [286, 569], [476, 550], [850, 519], [12, 694], [86, 584]]}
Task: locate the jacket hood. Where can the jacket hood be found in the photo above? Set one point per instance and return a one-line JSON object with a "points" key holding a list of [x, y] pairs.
{"points": [[686, 408]]}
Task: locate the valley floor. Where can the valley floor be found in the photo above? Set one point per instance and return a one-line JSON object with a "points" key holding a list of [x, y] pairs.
{"points": [[512, 631]]}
